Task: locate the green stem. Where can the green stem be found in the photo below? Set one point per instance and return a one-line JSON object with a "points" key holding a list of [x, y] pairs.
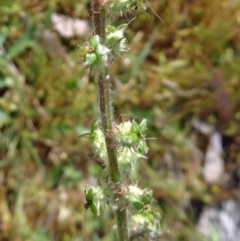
{"points": [[107, 120], [104, 87]]}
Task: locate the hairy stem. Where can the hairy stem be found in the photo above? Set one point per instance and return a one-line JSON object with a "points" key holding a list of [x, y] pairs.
{"points": [[105, 106], [107, 119]]}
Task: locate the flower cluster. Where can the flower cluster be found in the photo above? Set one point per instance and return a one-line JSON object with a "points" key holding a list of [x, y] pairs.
{"points": [[96, 54], [143, 218], [138, 197], [116, 40], [129, 140], [132, 135], [146, 223]]}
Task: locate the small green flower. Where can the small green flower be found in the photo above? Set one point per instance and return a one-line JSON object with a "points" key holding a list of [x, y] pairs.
{"points": [[128, 139], [85, 49], [132, 135], [148, 222], [90, 203], [116, 40], [138, 198], [147, 196], [94, 54], [138, 205], [94, 198]]}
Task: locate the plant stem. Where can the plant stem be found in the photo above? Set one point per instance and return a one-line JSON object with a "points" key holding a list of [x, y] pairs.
{"points": [[105, 105], [107, 119]]}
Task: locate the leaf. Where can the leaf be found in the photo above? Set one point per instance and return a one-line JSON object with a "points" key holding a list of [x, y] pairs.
{"points": [[22, 43], [4, 118]]}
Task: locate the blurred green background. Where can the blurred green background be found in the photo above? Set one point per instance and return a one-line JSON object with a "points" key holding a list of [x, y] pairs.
{"points": [[181, 69]]}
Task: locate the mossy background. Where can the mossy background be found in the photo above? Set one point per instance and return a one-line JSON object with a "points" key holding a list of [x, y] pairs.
{"points": [[184, 67]]}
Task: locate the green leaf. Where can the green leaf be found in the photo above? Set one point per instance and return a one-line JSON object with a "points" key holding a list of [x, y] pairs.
{"points": [[22, 43], [4, 118]]}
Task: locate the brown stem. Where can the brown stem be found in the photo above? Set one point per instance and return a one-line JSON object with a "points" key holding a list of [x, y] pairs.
{"points": [[107, 119], [105, 106]]}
